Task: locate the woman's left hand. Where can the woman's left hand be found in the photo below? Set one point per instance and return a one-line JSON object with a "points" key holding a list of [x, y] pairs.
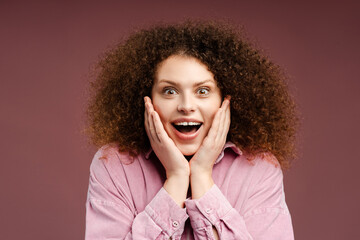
{"points": [[202, 162]]}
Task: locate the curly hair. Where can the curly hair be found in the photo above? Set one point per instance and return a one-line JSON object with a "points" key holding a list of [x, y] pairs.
{"points": [[263, 112]]}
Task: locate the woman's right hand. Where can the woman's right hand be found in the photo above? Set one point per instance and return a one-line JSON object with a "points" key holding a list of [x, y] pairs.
{"points": [[176, 166], [164, 147]]}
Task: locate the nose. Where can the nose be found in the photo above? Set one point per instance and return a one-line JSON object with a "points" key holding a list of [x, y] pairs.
{"points": [[186, 104]]}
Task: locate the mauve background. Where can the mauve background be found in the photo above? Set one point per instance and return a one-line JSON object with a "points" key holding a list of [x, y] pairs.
{"points": [[47, 48]]}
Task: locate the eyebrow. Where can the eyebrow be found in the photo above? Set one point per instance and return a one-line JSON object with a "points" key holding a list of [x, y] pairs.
{"points": [[196, 84]]}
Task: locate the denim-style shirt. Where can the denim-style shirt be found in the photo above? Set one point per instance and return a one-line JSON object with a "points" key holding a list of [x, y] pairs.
{"points": [[126, 199]]}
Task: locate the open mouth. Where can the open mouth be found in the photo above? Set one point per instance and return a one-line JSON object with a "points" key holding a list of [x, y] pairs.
{"points": [[187, 127]]}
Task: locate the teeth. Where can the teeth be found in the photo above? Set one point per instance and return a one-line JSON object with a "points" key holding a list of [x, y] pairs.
{"points": [[187, 123]]}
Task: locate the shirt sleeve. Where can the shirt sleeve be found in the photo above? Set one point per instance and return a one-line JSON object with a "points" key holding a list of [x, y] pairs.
{"points": [[110, 213], [266, 215]]}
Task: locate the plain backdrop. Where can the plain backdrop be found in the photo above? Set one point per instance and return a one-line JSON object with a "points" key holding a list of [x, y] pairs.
{"points": [[48, 47]]}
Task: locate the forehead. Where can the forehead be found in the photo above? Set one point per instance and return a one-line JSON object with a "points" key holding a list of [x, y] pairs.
{"points": [[183, 69]]}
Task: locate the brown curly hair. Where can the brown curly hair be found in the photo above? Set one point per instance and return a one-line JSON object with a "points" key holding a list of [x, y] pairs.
{"points": [[263, 113]]}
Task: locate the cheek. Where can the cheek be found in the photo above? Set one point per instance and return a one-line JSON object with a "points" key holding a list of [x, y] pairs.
{"points": [[212, 108], [210, 112]]}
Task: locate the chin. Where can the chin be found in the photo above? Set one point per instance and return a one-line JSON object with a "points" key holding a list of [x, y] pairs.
{"points": [[188, 150]]}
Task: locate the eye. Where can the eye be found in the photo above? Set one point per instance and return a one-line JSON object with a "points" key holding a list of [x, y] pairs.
{"points": [[203, 91], [169, 91]]}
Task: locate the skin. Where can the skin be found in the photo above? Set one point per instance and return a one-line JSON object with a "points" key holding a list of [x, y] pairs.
{"points": [[184, 97]]}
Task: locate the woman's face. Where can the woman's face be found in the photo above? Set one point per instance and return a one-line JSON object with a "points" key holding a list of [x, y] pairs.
{"points": [[186, 97]]}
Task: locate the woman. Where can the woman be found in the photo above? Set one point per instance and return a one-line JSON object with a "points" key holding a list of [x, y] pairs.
{"points": [[195, 126]]}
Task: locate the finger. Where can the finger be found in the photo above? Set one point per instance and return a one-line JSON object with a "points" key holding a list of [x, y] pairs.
{"points": [[147, 122], [151, 127], [228, 114], [223, 107], [226, 102], [222, 125], [151, 107], [226, 122], [159, 127], [149, 102], [146, 112], [148, 107], [219, 135]]}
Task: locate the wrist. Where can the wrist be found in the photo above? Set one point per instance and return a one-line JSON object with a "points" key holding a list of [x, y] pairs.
{"points": [[199, 171], [177, 187], [178, 174], [200, 184], [200, 164]]}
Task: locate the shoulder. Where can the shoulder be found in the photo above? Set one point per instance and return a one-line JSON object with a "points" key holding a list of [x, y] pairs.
{"points": [[266, 168], [108, 181], [266, 191], [109, 154], [108, 161]]}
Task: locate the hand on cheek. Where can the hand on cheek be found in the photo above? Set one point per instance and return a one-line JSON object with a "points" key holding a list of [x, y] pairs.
{"points": [[176, 166], [165, 149], [203, 161], [212, 145]]}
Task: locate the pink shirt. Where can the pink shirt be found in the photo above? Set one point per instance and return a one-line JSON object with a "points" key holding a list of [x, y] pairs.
{"points": [[126, 200]]}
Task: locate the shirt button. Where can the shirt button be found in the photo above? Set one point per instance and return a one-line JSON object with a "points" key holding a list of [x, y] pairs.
{"points": [[175, 224], [208, 210]]}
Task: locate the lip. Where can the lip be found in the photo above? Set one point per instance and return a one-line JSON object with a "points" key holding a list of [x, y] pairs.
{"points": [[186, 136]]}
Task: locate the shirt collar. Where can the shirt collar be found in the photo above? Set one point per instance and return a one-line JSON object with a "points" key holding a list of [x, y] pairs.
{"points": [[228, 144]]}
